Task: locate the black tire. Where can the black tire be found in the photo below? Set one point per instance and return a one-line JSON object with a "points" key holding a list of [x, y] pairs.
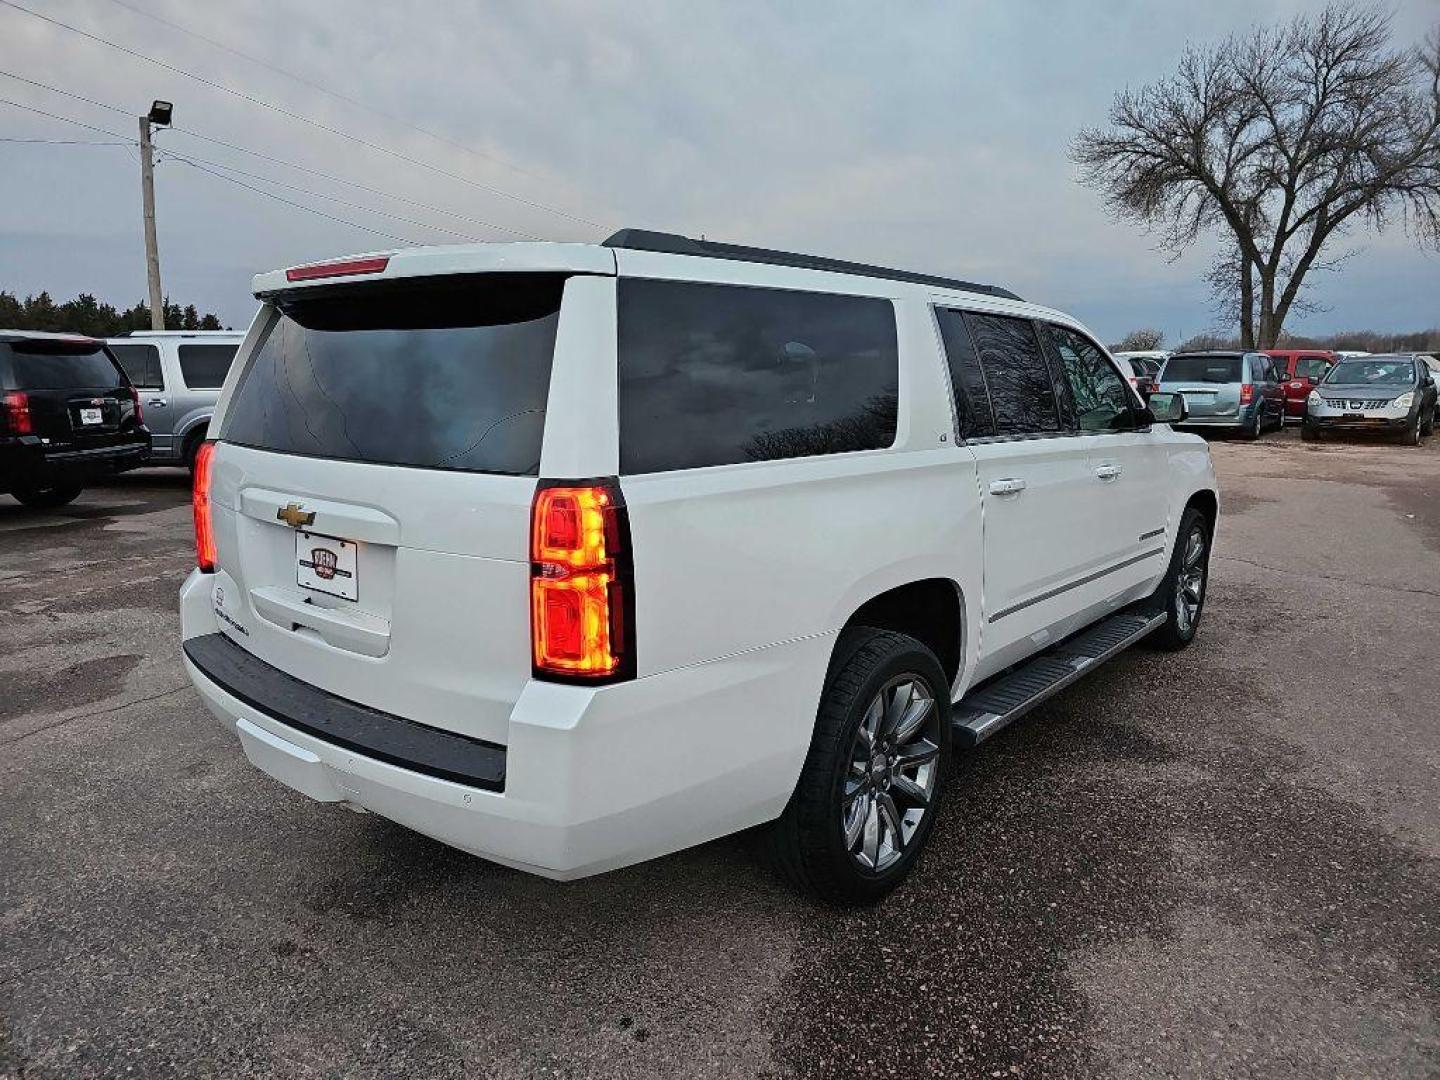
{"points": [[1175, 634], [1253, 431], [807, 845], [192, 447], [1428, 428], [1411, 436], [48, 497]]}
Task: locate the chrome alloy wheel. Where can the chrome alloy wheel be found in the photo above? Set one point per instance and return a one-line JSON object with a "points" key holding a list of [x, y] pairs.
{"points": [[1190, 582], [894, 766]]}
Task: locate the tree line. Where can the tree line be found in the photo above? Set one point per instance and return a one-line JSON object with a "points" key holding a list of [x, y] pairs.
{"points": [[87, 315], [1372, 341]]}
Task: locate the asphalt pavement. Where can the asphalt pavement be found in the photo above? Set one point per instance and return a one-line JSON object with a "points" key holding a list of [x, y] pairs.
{"points": [[1219, 863]]}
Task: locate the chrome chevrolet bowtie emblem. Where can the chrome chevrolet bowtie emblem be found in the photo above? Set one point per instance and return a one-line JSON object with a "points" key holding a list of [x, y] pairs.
{"points": [[294, 516]]}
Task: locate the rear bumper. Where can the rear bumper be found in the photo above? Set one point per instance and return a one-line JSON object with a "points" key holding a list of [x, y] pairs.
{"points": [[27, 462], [592, 778]]}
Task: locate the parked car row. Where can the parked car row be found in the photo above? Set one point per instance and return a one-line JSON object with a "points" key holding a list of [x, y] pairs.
{"points": [[75, 408], [1248, 392]]}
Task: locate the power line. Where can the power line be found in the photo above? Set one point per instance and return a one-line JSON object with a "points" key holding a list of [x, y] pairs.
{"points": [[200, 162], [73, 142], [337, 95], [298, 116], [302, 206], [222, 176], [281, 161]]}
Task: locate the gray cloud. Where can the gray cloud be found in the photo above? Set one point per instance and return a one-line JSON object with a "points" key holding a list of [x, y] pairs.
{"points": [[927, 135]]}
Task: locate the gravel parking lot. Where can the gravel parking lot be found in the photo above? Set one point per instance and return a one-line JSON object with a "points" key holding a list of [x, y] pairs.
{"points": [[1221, 863]]}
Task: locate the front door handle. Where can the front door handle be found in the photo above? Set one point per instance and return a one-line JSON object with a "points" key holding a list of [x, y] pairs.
{"points": [[1108, 472], [1011, 486], [157, 403]]}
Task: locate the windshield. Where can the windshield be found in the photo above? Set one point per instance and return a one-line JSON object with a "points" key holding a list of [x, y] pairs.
{"points": [[1395, 371], [1209, 369], [441, 373], [48, 365]]}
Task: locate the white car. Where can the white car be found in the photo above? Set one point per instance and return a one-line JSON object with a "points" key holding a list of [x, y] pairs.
{"points": [[571, 556]]}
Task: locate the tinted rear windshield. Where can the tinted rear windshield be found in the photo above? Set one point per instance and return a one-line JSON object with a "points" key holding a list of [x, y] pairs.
{"points": [[46, 365], [1395, 372], [1213, 369], [441, 373]]}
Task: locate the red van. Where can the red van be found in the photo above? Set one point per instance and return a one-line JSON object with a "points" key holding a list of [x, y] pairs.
{"points": [[1299, 370]]}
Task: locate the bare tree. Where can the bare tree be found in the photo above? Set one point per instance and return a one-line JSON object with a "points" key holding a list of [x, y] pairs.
{"points": [[1146, 339], [1282, 139]]}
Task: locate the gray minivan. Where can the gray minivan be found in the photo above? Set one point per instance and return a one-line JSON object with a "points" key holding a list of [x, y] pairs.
{"points": [[1226, 389], [179, 374]]}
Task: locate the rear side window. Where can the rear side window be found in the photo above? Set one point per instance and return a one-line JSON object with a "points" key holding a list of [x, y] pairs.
{"points": [[967, 381], [444, 373], [204, 367], [1022, 394], [719, 374], [141, 364], [1311, 367], [44, 365]]}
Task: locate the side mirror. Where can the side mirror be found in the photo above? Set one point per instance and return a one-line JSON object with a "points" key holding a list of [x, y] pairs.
{"points": [[1167, 408]]}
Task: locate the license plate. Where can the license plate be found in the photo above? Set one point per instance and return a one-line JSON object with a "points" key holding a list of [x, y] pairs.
{"points": [[327, 564], [91, 416], [1353, 416]]}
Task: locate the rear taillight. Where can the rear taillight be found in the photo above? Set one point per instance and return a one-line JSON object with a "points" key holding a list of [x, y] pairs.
{"points": [[16, 411], [581, 583], [1247, 393], [200, 502], [139, 412]]}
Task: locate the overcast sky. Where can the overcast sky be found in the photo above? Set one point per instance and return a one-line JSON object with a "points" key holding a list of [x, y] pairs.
{"points": [[931, 136]]}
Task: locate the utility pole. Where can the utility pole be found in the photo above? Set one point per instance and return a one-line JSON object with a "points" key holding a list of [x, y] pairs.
{"points": [[160, 113]]}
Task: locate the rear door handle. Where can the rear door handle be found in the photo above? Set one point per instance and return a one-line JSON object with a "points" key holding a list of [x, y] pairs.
{"points": [[1108, 472], [1011, 486], [157, 402]]}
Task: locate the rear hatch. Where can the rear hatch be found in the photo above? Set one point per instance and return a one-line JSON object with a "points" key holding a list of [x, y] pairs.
{"points": [[372, 487], [1211, 384], [76, 395]]}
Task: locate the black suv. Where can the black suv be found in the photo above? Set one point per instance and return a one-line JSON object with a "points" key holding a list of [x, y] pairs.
{"points": [[67, 415]]}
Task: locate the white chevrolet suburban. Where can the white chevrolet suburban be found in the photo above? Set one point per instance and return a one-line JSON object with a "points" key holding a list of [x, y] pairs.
{"points": [[571, 556]]}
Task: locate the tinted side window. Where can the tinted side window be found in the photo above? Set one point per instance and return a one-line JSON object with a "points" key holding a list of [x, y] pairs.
{"points": [[719, 374], [203, 367], [1260, 368], [142, 364], [1311, 367], [1102, 402], [972, 400], [1021, 392]]}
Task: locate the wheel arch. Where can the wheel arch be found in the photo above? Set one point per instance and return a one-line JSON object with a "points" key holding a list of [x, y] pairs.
{"points": [[931, 610]]}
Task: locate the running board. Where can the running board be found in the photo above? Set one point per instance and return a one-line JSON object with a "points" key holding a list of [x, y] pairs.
{"points": [[998, 703]]}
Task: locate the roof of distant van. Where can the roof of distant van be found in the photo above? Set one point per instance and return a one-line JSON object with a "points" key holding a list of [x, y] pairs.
{"points": [[177, 334]]}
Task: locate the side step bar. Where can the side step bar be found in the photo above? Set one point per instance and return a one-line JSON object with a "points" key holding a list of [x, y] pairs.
{"points": [[995, 705]]}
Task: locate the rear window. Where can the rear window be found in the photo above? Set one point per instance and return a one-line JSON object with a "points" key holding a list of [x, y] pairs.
{"points": [[1212, 369], [443, 373], [719, 374], [204, 367], [141, 364], [46, 365]]}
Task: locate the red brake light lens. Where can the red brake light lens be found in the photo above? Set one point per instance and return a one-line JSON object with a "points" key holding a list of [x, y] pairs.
{"points": [[579, 583], [200, 503], [16, 412], [1247, 393], [139, 412], [342, 268]]}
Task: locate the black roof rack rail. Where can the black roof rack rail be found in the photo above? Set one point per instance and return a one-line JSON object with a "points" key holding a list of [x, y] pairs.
{"points": [[675, 244]]}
